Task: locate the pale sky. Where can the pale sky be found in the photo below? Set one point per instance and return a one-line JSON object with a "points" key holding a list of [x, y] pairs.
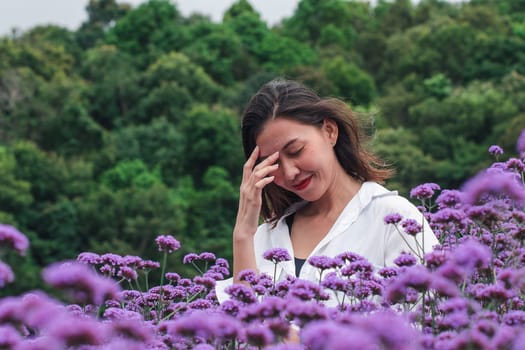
{"points": [[25, 14]]}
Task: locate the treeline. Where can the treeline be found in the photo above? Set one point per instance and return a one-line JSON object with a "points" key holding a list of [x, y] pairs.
{"points": [[129, 126]]}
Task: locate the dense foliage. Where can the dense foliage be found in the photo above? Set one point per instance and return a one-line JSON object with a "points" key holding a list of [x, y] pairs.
{"points": [[129, 126]]}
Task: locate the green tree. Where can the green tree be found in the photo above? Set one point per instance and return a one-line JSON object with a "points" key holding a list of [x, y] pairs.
{"points": [[315, 20], [218, 50], [15, 194], [173, 83], [280, 54], [159, 145], [113, 85], [351, 83], [398, 147], [210, 212], [251, 30], [211, 139], [101, 16], [153, 28]]}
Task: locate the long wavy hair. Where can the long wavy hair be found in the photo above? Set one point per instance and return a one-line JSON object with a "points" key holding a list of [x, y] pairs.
{"points": [[294, 101]]}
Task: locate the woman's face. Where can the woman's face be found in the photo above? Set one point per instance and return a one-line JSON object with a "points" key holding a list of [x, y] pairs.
{"points": [[307, 161]]}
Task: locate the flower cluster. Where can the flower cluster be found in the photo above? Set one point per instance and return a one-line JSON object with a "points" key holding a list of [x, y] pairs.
{"points": [[167, 243], [468, 293]]}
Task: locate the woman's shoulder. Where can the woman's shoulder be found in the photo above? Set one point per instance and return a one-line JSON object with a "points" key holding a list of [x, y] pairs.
{"points": [[384, 200]]}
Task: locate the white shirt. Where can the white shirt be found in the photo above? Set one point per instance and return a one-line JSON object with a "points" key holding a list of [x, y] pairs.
{"points": [[360, 228]]}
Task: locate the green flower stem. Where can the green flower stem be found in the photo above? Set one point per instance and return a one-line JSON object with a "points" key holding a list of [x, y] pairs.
{"points": [[163, 270]]}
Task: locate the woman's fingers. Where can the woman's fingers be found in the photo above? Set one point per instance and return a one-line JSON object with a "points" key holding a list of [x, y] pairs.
{"points": [[262, 169], [263, 172], [250, 163], [265, 181], [271, 159]]}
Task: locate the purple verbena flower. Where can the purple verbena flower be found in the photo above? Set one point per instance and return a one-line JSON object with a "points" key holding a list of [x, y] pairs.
{"points": [[467, 258], [11, 238], [362, 267], [207, 256], [515, 164], [471, 254], [9, 337], [449, 199], [149, 265], [206, 325], [520, 145], [205, 281], [89, 258], [200, 304], [132, 328], [435, 258], [172, 277], [514, 318], [128, 273], [248, 275], [323, 335], [84, 285], [495, 150], [277, 255], [405, 259], [322, 262], [75, 331], [448, 215], [131, 260], [258, 335], [424, 191], [388, 272], [416, 277], [270, 307], [190, 258], [393, 218], [116, 313], [111, 259], [303, 311], [6, 274], [492, 184], [307, 290], [241, 293], [411, 227], [334, 282], [349, 257], [167, 243]]}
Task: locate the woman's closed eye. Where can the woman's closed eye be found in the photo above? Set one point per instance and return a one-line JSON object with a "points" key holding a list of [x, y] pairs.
{"points": [[295, 153]]}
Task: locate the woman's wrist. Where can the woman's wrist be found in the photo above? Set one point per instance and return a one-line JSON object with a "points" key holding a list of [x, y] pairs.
{"points": [[242, 237]]}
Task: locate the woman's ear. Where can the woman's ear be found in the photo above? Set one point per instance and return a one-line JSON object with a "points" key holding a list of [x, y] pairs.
{"points": [[331, 130]]}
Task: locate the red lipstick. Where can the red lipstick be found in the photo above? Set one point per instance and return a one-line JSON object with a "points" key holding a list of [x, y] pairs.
{"points": [[303, 184]]}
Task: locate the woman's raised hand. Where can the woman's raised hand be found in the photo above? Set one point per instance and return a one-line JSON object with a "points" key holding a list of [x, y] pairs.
{"points": [[254, 178]]}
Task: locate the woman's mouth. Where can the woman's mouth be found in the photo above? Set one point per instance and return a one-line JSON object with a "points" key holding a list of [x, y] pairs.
{"points": [[303, 184]]}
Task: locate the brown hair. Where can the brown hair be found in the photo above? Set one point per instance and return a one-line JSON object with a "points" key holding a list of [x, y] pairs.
{"points": [[292, 100]]}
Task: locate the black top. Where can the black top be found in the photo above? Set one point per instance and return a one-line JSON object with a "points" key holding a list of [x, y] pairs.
{"points": [[298, 262]]}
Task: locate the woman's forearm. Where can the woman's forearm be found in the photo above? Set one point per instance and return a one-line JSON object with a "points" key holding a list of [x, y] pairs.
{"points": [[243, 254]]}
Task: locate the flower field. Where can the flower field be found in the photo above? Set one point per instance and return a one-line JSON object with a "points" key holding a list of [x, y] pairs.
{"points": [[467, 294]]}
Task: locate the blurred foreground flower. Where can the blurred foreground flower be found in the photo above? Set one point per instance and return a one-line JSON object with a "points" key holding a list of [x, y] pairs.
{"points": [[84, 285], [494, 184], [11, 238]]}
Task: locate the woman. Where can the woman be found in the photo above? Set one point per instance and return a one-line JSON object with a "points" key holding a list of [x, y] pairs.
{"points": [[315, 185]]}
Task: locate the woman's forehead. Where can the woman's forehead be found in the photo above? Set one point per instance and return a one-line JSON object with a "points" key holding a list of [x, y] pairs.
{"points": [[281, 133]]}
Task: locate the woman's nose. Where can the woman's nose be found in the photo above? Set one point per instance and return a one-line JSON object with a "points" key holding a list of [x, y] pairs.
{"points": [[289, 170]]}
